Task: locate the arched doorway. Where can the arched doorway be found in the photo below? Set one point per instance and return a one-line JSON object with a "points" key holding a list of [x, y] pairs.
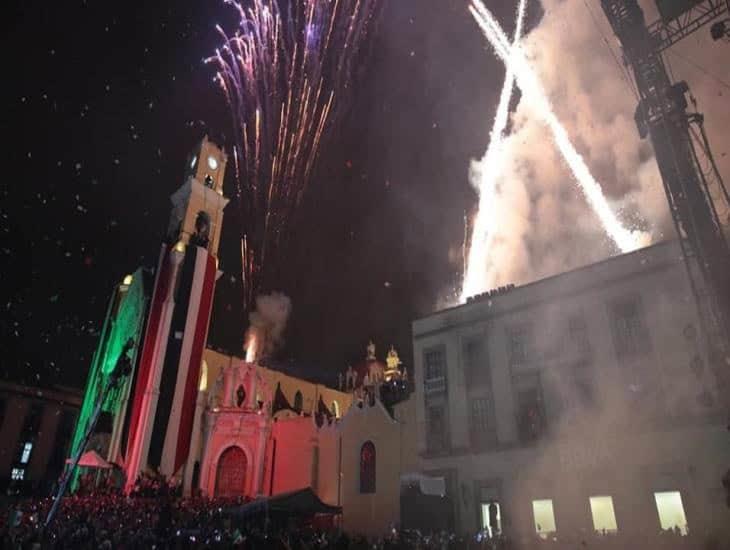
{"points": [[230, 479]]}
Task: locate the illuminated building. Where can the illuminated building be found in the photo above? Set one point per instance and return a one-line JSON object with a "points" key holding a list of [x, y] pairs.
{"points": [[35, 434], [583, 401], [158, 427], [219, 425], [125, 318], [284, 433]]}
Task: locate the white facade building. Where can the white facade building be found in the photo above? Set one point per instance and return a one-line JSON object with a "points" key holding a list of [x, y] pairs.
{"points": [[582, 401]]}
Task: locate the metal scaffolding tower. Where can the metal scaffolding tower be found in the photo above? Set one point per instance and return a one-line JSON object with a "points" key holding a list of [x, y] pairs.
{"points": [[662, 115]]}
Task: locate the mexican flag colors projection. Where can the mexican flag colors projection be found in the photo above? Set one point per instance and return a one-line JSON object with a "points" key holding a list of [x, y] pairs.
{"points": [[124, 320]]}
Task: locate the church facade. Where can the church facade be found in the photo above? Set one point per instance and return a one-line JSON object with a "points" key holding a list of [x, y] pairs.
{"points": [[263, 432], [218, 425]]}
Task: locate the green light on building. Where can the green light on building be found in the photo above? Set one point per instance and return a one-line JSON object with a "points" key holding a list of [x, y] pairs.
{"points": [[124, 320]]}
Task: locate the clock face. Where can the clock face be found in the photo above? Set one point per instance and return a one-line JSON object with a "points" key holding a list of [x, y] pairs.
{"points": [[192, 162], [212, 163]]}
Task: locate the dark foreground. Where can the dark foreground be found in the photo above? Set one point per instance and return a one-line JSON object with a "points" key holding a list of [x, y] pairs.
{"points": [[114, 522]]}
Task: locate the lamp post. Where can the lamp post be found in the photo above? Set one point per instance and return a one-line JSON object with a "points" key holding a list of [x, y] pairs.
{"points": [[121, 370]]}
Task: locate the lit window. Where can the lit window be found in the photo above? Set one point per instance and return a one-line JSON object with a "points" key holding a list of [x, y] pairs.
{"points": [[671, 511], [27, 448], [336, 409], [203, 385], [17, 474], [544, 517], [604, 518]]}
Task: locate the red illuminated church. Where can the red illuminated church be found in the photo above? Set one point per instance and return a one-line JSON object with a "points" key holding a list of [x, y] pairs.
{"points": [[220, 426]]}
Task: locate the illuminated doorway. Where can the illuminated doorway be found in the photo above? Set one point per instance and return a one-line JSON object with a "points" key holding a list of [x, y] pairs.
{"points": [[491, 518], [230, 479], [671, 511]]}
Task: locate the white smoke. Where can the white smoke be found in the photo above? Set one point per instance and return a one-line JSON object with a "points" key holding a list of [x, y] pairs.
{"points": [[266, 325], [543, 224], [483, 175]]}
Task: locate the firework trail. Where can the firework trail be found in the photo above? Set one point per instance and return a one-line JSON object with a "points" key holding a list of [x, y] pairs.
{"points": [[513, 58], [283, 73], [484, 177]]}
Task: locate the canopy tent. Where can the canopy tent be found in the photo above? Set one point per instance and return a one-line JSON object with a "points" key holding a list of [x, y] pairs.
{"points": [[303, 502], [91, 459], [435, 486]]}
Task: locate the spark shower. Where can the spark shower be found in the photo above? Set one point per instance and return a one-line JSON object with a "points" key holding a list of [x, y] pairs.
{"points": [[488, 168], [285, 72]]}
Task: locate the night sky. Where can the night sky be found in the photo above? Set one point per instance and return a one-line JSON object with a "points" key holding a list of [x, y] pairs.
{"points": [[102, 103]]}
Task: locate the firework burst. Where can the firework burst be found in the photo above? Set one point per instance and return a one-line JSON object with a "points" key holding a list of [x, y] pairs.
{"points": [[485, 174], [519, 69], [284, 73]]}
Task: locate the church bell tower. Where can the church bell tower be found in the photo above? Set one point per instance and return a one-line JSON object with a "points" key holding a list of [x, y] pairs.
{"points": [[157, 430]]}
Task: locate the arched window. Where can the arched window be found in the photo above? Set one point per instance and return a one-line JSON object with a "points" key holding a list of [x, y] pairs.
{"points": [[367, 468], [240, 396], [298, 401], [336, 409], [202, 229]]}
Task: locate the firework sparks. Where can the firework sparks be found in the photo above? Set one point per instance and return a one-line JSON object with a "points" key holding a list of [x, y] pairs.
{"points": [[514, 59], [486, 172], [283, 73]]}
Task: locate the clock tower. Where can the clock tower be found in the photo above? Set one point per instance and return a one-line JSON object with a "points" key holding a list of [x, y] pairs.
{"points": [[158, 426]]}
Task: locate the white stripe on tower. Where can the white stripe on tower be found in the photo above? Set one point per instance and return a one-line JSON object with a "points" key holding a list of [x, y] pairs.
{"points": [[152, 393], [169, 448]]}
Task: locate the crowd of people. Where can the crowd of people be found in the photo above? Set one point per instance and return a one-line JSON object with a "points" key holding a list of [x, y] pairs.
{"points": [[157, 518], [111, 521]]}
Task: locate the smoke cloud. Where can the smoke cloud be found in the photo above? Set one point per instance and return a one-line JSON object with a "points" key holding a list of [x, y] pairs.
{"points": [[266, 325], [544, 224]]}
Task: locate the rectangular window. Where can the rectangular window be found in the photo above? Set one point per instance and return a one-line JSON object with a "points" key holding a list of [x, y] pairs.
{"points": [[17, 474], [481, 430], [479, 414], [604, 518], [542, 511], [25, 455], [436, 428], [519, 341], [531, 421], [476, 360], [671, 511], [435, 363], [630, 335], [578, 334]]}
